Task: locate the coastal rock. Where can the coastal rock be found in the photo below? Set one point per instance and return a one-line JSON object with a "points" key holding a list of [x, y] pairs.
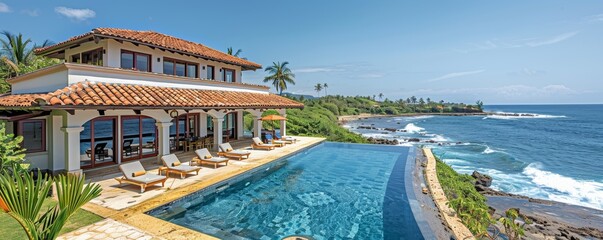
{"points": [[482, 179], [390, 129], [383, 141], [413, 140], [366, 127]]}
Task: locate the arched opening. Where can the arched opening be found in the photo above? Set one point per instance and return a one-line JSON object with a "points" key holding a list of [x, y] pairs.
{"points": [[139, 137], [98, 141]]}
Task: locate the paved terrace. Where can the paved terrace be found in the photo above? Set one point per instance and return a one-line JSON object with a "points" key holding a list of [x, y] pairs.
{"points": [[126, 205]]}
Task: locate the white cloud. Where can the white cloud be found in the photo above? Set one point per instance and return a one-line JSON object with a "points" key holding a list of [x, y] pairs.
{"points": [[594, 18], [4, 8], [553, 40], [455, 75], [317, 70], [31, 13], [76, 14]]}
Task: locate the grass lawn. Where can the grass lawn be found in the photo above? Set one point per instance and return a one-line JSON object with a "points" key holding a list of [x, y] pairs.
{"points": [[11, 229]]}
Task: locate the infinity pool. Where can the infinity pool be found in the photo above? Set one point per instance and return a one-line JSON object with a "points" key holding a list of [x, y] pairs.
{"points": [[330, 191]]}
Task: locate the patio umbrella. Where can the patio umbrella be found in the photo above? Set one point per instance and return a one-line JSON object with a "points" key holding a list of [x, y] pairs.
{"points": [[272, 118]]}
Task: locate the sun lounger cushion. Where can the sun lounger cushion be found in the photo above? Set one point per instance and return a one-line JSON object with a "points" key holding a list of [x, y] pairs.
{"points": [[172, 162], [176, 164], [225, 146], [207, 156], [128, 169], [147, 178]]}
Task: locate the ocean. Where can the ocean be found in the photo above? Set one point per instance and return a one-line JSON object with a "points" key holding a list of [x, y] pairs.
{"points": [[554, 154]]}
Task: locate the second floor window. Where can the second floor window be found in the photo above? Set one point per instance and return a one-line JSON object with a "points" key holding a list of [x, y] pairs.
{"points": [[229, 75], [211, 74], [178, 68], [94, 57], [135, 61]]}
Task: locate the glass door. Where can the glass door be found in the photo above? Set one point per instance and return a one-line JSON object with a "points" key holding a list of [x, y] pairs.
{"points": [[97, 142], [139, 137], [184, 128]]}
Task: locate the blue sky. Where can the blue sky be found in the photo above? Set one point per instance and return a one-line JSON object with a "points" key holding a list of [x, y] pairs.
{"points": [[499, 52]]}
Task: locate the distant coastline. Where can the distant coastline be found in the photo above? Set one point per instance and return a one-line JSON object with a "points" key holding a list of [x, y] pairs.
{"points": [[345, 118]]}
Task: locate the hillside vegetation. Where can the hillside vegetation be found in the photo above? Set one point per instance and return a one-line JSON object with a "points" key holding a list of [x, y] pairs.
{"points": [[319, 117]]}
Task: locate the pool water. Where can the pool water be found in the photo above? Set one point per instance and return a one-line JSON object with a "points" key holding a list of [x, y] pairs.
{"points": [[330, 191]]}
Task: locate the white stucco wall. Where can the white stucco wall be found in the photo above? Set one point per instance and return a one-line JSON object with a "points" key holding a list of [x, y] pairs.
{"points": [[41, 84]]}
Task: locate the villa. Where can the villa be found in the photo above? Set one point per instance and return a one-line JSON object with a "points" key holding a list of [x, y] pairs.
{"points": [[123, 95]]}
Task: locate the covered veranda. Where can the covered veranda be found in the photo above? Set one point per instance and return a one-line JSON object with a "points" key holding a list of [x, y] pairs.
{"points": [[96, 125]]}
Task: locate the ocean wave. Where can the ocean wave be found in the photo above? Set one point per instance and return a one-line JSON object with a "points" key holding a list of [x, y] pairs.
{"points": [[513, 116], [489, 150], [439, 138], [566, 189], [412, 128]]}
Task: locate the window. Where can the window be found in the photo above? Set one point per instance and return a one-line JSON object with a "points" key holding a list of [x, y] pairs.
{"points": [[211, 72], [229, 75], [75, 58], [98, 142], [94, 57], [180, 68], [34, 135], [139, 137], [135, 61]]}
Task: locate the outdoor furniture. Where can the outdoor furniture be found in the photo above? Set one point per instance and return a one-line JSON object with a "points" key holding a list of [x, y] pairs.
{"points": [[99, 151], [203, 156], [208, 142], [134, 173], [127, 147], [285, 138], [278, 143], [258, 144], [225, 150], [175, 166]]}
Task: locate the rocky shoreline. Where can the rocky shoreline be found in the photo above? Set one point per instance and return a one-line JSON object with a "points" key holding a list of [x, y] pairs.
{"points": [[550, 219]]}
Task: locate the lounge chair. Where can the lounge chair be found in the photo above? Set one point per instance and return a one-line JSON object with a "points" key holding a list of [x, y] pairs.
{"points": [[258, 144], [175, 166], [134, 173], [285, 138], [227, 151], [203, 156], [278, 143]]}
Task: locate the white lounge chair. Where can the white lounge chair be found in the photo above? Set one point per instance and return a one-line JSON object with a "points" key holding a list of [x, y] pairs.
{"points": [[227, 151], [258, 144], [174, 165], [204, 156], [134, 173]]}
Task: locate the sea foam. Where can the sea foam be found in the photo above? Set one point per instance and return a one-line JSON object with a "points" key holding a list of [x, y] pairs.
{"points": [[513, 116], [411, 128], [566, 189]]}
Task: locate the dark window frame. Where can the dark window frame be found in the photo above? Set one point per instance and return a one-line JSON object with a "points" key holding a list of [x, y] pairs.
{"points": [[234, 74], [134, 62], [20, 133], [186, 64], [140, 155], [99, 51], [213, 72]]}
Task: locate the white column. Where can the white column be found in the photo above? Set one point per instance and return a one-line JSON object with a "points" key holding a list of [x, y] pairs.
{"points": [[72, 145], [240, 124], [283, 112], [203, 124], [257, 124], [57, 143], [217, 131], [163, 138]]}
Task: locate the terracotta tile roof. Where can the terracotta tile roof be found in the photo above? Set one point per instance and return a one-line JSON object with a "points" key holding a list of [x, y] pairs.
{"points": [[159, 40], [120, 95]]}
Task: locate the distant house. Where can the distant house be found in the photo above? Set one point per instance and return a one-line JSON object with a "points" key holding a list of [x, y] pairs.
{"points": [[122, 95]]}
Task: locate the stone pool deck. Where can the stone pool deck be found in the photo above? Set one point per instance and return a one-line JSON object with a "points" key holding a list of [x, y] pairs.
{"points": [[126, 206]]}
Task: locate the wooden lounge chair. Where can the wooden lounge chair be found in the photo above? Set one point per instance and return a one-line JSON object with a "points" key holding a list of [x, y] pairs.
{"points": [[175, 166], [227, 151], [203, 156], [258, 144], [134, 173]]}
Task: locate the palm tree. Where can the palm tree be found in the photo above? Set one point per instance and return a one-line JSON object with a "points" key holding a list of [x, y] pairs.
{"points": [[318, 88], [380, 96], [325, 86], [230, 51], [23, 198], [15, 53], [280, 75]]}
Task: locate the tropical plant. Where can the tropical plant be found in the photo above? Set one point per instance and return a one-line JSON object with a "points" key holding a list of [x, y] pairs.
{"points": [[513, 229], [325, 86], [16, 57], [380, 96], [11, 153], [479, 104], [23, 197], [318, 88], [280, 76], [230, 51]]}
